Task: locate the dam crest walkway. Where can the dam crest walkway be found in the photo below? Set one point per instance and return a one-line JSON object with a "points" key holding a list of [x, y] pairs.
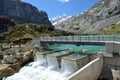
{"points": [[90, 40]]}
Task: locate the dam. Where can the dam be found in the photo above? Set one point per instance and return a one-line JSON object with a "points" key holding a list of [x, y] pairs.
{"points": [[57, 64], [67, 61]]}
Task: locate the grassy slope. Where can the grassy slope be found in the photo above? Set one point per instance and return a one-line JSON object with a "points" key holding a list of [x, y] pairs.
{"points": [[27, 30], [114, 29]]}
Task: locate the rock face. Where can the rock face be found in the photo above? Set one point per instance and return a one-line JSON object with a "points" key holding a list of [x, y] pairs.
{"points": [[101, 15], [22, 11], [5, 23]]}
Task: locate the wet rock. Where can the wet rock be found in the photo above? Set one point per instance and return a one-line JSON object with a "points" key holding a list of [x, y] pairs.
{"points": [[5, 70], [15, 66], [12, 63]]}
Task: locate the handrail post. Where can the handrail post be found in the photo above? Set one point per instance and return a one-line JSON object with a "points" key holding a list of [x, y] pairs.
{"points": [[73, 38], [61, 38], [66, 38], [89, 39], [98, 38], [80, 38]]}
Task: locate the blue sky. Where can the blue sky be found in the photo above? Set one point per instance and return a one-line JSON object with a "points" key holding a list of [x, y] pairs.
{"points": [[59, 7]]}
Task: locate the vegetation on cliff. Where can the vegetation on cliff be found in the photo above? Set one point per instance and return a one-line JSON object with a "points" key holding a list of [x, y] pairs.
{"points": [[12, 30], [114, 29]]}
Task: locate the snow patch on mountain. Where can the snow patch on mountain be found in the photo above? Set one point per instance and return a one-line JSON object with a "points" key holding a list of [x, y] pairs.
{"points": [[58, 19]]}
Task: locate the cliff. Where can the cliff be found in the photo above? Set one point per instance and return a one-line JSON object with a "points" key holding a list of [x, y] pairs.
{"points": [[22, 11]]}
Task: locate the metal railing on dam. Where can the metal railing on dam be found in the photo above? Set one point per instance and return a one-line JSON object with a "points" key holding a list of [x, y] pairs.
{"points": [[82, 38], [91, 39]]}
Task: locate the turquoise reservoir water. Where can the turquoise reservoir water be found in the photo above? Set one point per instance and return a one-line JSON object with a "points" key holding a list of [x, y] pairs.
{"points": [[90, 49]]}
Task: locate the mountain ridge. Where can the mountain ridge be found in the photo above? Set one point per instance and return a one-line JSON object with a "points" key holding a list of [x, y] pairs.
{"points": [[102, 15]]}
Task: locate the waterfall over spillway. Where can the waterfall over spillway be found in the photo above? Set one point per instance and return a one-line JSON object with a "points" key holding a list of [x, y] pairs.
{"points": [[54, 65], [53, 62], [35, 71], [67, 65], [41, 59]]}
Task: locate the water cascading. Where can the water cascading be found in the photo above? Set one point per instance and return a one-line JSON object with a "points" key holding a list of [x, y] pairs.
{"points": [[53, 62], [29, 72], [54, 59], [68, 65], [41, 59], [38, 70]]}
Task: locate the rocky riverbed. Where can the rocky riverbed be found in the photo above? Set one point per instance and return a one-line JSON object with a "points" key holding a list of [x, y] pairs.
{"points": [[13, 59]]}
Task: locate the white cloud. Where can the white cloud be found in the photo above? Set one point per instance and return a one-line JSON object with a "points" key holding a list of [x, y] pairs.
{"points": [[63, 1]]}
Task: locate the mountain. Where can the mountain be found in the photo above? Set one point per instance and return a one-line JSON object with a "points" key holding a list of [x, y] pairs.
{"points": [[22, 11], [12, 31], [59, 19], [102, 15], [22, 21]]}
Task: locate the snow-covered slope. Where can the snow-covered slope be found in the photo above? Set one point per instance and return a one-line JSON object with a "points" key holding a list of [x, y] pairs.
{"points": [[58, 19]]}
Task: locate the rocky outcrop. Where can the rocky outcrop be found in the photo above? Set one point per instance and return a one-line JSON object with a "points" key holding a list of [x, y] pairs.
{"points": [[101, 15], [22, 11], [5, 70], [5, 23], [12, 61]]}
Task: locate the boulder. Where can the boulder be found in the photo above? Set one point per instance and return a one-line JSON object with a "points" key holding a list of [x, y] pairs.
{"points": [[12, 63], [8, 59]]}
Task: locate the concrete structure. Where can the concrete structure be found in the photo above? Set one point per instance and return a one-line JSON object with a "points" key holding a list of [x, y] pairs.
{"points": [[111, 65], [78, 40], [85, 65], [112, 49], [116, 74], [91, 71], [78, 62], [108, 64]]}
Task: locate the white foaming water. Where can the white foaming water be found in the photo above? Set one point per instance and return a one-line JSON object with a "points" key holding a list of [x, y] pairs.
{"points": [[53, 62], [35, 71], [69, 65], [41, 58]]}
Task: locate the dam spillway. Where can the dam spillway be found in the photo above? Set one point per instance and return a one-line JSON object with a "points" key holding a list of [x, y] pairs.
{"points": [[47, 67]]}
